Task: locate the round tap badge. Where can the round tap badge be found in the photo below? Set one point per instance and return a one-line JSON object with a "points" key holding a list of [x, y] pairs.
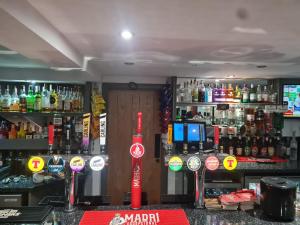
{"points": [[193, 163], [77, 163], [175, 163], [97, 163], [36, 164], [55, 164], [137, 150], [212, 163], [230, 163]]}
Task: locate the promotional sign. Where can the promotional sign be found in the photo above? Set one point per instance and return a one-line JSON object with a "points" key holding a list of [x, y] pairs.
{"points": [[212, 163], [86, 131], [193, 163], [230, 163], [97, 163], [55, 164], [170, 134], [137, 150], [141, 217], [175, 163], [102, 129], [36, 164], [77, 164]]}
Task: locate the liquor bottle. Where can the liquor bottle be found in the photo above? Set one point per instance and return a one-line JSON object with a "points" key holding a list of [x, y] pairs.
{"points": [[230, 94], [265, 95], [15, 101], [45, 99], [237, 94], [259, 93], [53, 99], [181, 92], [60, 106], [208, 93], [264, 145], [271, 148], [272, 95], [21, 132], [230, 145], [247, 151], [67, 101], [239, 146], [245, 94], [28, 134], [202, 91], [23, 99], [222, 95], [12, 134], [216, 94], [195, 92], [38, 100], [294, 148], [254, 148], [30, 100], [76, 100], [252, 94], [188, 92], [6, 100], [68, 135]]}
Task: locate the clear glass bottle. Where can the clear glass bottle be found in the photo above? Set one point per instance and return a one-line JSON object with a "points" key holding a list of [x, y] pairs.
{"points": [[209, 93], [265, 94], [60, 106], [6, 100], [67, 101], [45, 99], [245, 94], [38, 100], [53, 99], [272, 95], [30, 100], [252, 94], [15, 101], [259, 93], [294, 148]]}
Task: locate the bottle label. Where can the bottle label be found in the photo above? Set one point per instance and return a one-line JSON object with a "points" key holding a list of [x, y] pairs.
{"points": [[239, 151], [265, 97], [252, 97], [245, 97], [254, 151], [38, 104], [52, 100], [259, 97]]}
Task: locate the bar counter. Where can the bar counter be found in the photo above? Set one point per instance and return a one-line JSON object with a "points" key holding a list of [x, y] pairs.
{"points": [[195, 216]]}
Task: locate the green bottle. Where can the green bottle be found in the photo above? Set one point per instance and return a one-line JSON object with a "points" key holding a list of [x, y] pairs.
{"points": [[30, 99], [37, 100]]}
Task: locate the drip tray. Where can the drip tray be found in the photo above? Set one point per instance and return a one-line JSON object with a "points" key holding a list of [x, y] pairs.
{"points": [[28, 215]]}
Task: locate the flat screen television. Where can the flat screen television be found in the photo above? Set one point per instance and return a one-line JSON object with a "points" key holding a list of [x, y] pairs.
{"points": [[291, 98]]}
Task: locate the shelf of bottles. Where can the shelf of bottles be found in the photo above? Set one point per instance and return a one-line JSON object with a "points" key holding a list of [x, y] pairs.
{"points": [[20, 99]]}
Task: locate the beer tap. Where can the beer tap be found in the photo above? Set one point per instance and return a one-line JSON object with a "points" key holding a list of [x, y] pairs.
{"points": [[50, 138]]}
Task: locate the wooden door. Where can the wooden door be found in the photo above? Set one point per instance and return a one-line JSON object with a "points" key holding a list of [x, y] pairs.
{"points": [[123, 106]]}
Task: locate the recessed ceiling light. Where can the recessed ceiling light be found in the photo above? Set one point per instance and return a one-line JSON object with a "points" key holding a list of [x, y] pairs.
{"points": [[249, 30], [126, 34]]}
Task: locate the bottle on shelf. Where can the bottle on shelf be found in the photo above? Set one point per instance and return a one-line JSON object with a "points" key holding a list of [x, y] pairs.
{"points": [[12, 134], [30, 100], [247, 150], [222, 96], [208, 93], [188, 92], [67, 100], [294, 148], [53, 99], [38, 99], [245, 94], [271, 148], [259, 93], [237, 94], [252, 94], [230, 145], [216, 93], [45, 99], [195, 92], [239, 146], [15, 101], [230, 94], [29, 133], [23, 106], [60, 105], [21, 132], [272, 95], [264, 145], [68, 135], [265, 94], [254, 148], [6, 100]]}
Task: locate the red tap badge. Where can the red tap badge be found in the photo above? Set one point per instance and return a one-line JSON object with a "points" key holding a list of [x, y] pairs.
{"points": [[212, 163], [137, 150]]}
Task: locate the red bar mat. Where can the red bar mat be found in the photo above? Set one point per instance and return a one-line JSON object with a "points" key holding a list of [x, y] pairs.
{"points": [[136, 217], [275, 159]]}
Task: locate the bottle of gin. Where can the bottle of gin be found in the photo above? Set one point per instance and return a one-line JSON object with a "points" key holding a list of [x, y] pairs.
{"points": [[30, 99], [252, 94], [45, 99], [6, 100]]}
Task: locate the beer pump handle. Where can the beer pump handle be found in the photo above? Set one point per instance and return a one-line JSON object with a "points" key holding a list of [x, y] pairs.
{"points": [[72, 198], [216, 137], [50, 137], [139, 123]]}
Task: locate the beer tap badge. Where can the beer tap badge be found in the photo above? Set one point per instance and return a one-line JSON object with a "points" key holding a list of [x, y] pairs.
{"points": [[55, 164], [36, 164], [212, 163], [77, 164], [193, 163], [97, 163], [175, 163], [230, 163], [137, 150]]}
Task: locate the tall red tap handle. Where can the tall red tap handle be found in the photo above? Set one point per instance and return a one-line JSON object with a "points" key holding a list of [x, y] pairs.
{"points": [[139, 123]]}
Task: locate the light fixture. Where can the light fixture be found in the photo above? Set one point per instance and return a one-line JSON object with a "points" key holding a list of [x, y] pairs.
{"points": [[8, 52], [65, 68], [230, 76], [126, 35]]}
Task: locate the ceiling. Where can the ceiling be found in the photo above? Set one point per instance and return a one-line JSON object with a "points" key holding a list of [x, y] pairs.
{"points": [[232, 37]]}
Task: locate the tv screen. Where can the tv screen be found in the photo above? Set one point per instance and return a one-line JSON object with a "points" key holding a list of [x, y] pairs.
{"points": [[178, 132], [193, 132], [291, 98]]}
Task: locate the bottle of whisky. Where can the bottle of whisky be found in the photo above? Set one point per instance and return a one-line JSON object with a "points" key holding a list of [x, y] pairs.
{"points": [[15, 101], [12, 134], [252, 94], [23, 99], [38, 100], [30, 100]]}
